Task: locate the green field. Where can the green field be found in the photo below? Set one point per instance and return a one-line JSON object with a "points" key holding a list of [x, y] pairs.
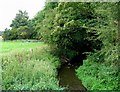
{"points": [[8, 46]]}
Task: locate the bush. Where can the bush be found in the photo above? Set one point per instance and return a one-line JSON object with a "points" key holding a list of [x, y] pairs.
{"points": [[98, 76], [10, 34], [23, 32]]}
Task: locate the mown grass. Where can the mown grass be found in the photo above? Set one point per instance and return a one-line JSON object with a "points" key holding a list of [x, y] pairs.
{"points": [[32, 67], [7, 46]]}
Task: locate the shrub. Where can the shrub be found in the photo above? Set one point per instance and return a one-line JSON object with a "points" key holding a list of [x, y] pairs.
{"points": [[98, 76], [10, 34]]}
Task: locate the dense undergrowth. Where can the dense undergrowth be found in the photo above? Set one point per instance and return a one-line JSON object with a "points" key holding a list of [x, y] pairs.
{"points": [[33, 69], [98, 76], [100, 70]]}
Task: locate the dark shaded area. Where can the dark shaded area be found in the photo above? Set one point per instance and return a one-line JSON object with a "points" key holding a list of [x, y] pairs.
{"points": [[77, 60]]}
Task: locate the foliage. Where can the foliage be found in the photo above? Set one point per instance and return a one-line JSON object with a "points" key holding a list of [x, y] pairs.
{"points": [[22, 28], [33, 69], [9, 34], [77, 28], [100, 69], [98, 76], [43, 21], [69, 31], [21, 19]]}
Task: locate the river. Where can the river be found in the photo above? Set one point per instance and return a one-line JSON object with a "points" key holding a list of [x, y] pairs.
{"points": [[68, 78]]}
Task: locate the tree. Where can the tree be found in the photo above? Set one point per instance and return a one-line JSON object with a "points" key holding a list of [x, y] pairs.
{"points": [[21, 19], [70, 29], [22, 28], [43, 21], [10, 34]]}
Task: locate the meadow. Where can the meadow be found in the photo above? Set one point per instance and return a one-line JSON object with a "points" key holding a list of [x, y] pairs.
{"points": [[8, 46], [28, 66]]}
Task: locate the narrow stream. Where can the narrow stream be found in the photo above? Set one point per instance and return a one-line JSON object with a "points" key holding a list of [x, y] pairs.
{"points": [[69, 79]]}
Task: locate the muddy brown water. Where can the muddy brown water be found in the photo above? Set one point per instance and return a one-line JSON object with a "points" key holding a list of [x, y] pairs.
{"points": [[68, 78]]}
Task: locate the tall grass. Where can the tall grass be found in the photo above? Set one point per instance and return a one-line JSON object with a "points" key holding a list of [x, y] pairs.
{"points": [[31, 69]]}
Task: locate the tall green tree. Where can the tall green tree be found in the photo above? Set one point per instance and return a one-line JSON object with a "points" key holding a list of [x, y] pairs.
{"points": [[22, 27], [70, 30], [43, 21], [21, 19]]}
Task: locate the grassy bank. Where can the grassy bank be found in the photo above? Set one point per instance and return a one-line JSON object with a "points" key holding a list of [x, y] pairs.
{"points": [[28, 66]]}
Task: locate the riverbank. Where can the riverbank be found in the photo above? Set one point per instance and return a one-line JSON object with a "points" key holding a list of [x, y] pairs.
{"points": [[37, 51], [29, 68]]}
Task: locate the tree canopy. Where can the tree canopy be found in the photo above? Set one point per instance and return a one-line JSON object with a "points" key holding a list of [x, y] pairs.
{"points": [[21, 19], [21, 27]]}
